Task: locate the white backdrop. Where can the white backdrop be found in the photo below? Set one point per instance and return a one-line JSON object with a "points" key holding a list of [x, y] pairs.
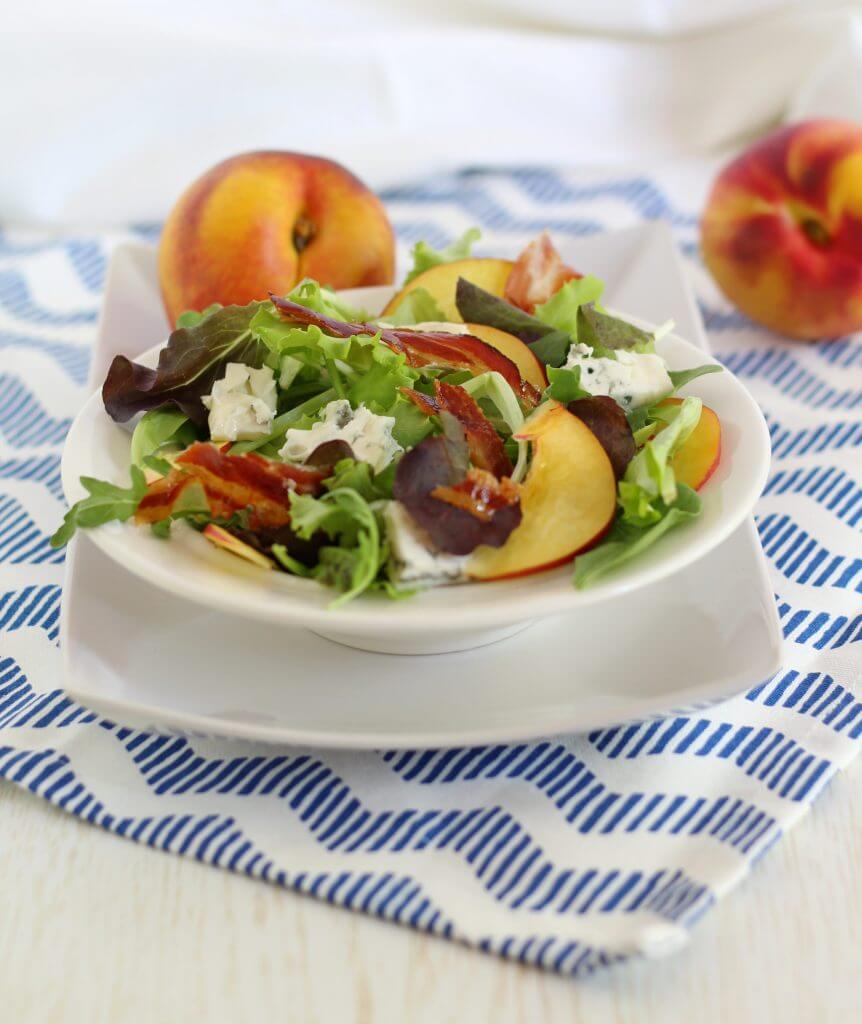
{"points": [[108, 110]]}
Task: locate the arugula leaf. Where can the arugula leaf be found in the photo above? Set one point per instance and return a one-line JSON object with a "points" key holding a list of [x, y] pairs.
{"points": [[679, 378], [626, 541], [157, 428], [650, 485], [425, 256], [565, 384], [561, 309], [346, 517], [418, 306], [191, 362], [192, 317], [105, 502]]}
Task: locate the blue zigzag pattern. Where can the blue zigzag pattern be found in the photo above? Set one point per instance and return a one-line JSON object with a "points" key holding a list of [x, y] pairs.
{"points": [[469, 190], [21, 541], [816, 695], [501, 854], [71, 358], [584, 800], [781, 763], [844, 352], [29, 607], [830, 486], [43, 469], [782, 369], [23, 421], [21, 705], [830, 435], [817, 629], [797, 556], [17, 302]]}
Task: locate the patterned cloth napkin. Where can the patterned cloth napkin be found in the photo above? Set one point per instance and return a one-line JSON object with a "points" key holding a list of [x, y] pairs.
{"points": [[567, 853]]}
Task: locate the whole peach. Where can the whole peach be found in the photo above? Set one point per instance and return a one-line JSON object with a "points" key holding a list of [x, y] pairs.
{"points": [[782, 230], [261, 222]]}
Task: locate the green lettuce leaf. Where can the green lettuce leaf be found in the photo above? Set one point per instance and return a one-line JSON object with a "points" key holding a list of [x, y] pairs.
{"points": [[649, 485], [344, 516], [323, 300], [158, 428], [411, 424], [626, 541], [361, 368], [564, 384], [104, 503], [425, 256], [357, 476], [561, 309]]}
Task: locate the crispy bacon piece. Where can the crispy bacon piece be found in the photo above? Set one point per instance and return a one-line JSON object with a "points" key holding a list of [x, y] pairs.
{"points": [[486, 446], [162, 497], [421, 348], [538, 273], [232, 483], [480, 493]]}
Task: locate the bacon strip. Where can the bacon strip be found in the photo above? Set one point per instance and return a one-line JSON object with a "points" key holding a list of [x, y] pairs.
{"points": [[232, 483], [486, 447], [538, 273], [421, 348], [479, 493]]}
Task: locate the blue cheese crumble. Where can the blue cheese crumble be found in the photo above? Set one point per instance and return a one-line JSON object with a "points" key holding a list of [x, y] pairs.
{"points": [[242, 404], [632, 379], [369, 435]]}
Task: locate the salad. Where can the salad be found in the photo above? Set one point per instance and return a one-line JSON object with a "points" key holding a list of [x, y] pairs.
{"points": [[494, 420]]}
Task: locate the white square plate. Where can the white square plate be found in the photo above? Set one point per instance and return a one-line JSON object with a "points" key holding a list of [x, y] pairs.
{"points": [[141, 657]]}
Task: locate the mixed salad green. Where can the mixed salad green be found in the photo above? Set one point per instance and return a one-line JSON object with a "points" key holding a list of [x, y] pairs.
{"points": [[379, 454]]}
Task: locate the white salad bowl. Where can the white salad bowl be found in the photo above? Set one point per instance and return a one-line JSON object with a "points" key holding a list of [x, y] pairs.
{"points": [[442, 619]]}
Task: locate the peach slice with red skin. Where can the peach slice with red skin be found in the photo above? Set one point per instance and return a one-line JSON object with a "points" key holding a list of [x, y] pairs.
{"points": [[221, 538], [698, 458], [568, 500]]}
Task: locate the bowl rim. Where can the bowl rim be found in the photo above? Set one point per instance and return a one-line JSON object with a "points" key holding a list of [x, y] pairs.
{"points": [[510, 601]]}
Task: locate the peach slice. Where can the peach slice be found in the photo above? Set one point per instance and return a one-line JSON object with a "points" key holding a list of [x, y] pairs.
{"points": [[529, 366], [698, 458], [440, 282], [568, 500], [227, 542]]}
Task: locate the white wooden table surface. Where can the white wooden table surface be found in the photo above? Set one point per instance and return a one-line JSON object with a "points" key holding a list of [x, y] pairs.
{"points": [[94, 928]]}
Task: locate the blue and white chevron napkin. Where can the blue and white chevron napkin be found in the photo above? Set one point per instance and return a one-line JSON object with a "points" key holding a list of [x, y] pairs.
{"points": [[567, 853]]}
